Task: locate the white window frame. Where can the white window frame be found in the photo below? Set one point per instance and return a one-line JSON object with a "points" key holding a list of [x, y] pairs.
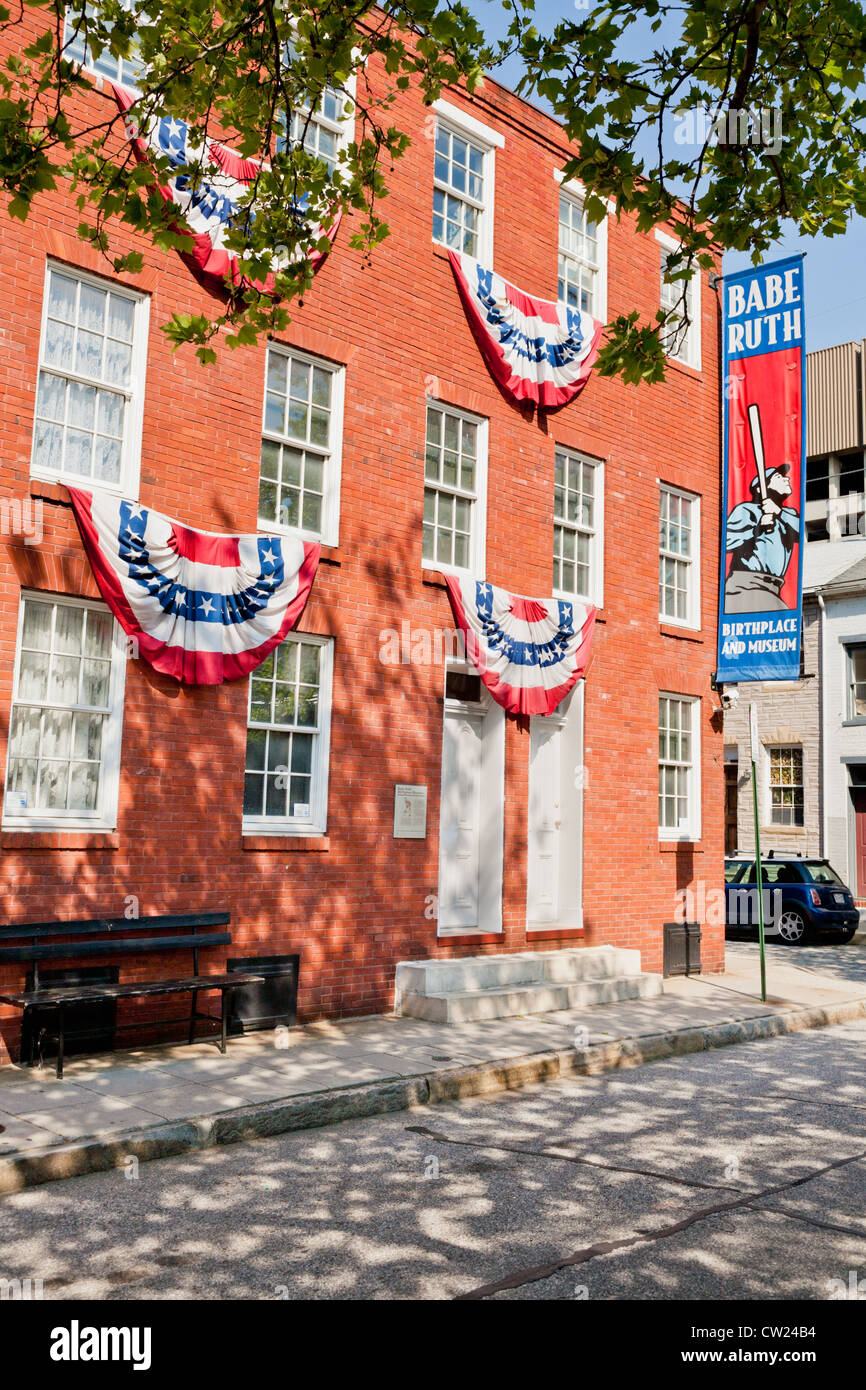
{"points": [[769, 750], [478, 534], [692, 621], [104, 816], [317, 824], [852, 649], [688, 352], [467, 127], [596, 533], [343, 128], [575, 192], [88, 65], [130, 462], [690, 828], [329, 534]]}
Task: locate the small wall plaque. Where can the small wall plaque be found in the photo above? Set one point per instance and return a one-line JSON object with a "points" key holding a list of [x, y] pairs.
{"points": [[410, 812]]}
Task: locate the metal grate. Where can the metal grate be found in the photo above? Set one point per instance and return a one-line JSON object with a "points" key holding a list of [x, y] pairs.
{"points": [[270, 1004], [682, 948]]}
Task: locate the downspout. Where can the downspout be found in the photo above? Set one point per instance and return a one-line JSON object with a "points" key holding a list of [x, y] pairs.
{"points": [[822, 800]]}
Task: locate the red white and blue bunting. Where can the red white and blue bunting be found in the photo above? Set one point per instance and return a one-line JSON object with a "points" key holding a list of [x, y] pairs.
{"points": [[537, 350], [204, 608], [207, 210], [528, 652]]}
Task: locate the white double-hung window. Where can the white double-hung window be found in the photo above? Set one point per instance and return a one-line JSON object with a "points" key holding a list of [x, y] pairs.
{"points": [[578, 500], [299, 480], [463, 182], [288, 731], [125, 71], [455, 477], [67, 707], [323, 124], [90, 390], [679, 557], [679, 768], [681, 301]]}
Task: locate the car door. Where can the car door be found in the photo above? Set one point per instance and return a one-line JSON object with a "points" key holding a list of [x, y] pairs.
{"points": [[738, 900]]}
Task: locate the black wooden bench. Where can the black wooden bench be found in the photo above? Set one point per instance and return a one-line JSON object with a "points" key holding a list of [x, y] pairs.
{"points": [[116, 936]]}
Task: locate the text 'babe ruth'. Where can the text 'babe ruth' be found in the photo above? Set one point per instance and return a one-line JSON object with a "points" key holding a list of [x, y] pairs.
{"points": [[761, 536]]}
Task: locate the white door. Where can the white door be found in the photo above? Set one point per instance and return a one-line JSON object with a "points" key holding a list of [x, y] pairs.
{"points": [[545, 820], [554, 867], [460, 820]]}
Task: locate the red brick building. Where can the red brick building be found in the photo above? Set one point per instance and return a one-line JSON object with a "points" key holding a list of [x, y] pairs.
{"points": [[123, 786]]}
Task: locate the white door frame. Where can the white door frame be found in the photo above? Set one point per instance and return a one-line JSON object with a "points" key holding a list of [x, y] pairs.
{"points": [[492, 823], [569, 718]]}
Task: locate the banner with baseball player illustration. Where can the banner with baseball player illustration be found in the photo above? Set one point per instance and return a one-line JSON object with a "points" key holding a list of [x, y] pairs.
{"points": [[764, 482]]}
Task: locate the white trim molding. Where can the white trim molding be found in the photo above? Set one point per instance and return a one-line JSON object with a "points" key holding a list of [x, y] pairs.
{"points": [[692, 341], [104, 815], [467, 127], [692, 620], [455, 115], [688, 829]]}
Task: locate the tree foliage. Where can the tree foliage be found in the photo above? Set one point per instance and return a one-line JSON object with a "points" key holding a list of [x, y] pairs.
{"points": [[240, 72], [738, 120]]}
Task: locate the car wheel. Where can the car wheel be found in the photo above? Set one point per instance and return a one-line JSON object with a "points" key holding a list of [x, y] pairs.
{"points": [[793, 930]]}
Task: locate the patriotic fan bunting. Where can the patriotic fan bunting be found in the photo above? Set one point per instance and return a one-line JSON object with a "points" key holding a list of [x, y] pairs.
{"points": [[203, 608], [528, 652], [207, 209], [537, 350]]}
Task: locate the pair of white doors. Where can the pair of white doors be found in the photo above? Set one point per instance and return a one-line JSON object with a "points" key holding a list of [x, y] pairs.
{"points": [[471, 816]]}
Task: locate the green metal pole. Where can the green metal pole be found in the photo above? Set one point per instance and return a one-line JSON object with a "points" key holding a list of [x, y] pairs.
{"points": [[760, 881]]}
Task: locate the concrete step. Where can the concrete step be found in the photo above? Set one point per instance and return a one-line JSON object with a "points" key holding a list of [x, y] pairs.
{"points": [[472, 1006], [471, 974]]}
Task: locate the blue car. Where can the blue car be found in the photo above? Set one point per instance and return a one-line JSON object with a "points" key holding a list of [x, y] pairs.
{"points": [[802, 898]]}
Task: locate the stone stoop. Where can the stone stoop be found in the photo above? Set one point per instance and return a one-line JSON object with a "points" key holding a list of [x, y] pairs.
{"points": [[529, 982]]}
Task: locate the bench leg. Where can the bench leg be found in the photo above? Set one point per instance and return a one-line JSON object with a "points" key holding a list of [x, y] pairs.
{"points": [[224, 1019], [192, 1014]]}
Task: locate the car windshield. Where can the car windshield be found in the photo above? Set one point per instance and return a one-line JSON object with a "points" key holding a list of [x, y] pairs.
{"points": [[820, 872], [732, 869]]}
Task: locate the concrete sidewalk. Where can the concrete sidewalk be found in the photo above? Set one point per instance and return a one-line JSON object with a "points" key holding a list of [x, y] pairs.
{"points": [[151, 1102]]}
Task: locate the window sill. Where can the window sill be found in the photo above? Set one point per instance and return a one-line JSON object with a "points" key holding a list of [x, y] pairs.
{"points": [[59, 839], [329, 553], [560, 597], [553, 933], [685, 842], [55, 489], [286, 844], [689, 634], [464, 936], [854, 723]]}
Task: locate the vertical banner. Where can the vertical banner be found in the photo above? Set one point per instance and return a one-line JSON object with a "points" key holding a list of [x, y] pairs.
{"points": [[764, 462]]}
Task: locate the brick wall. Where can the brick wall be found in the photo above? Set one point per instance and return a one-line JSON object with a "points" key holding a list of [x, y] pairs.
{"points": [[354, 903]]}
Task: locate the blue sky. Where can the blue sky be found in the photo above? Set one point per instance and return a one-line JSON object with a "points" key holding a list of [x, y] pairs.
{"points": [[835, 266]]}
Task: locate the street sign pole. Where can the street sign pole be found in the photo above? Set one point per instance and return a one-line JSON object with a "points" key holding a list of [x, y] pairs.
{"points": [[759, 877]]}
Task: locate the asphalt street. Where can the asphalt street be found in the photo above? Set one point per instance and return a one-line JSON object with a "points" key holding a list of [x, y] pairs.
{"points": [[739, 1173]]}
